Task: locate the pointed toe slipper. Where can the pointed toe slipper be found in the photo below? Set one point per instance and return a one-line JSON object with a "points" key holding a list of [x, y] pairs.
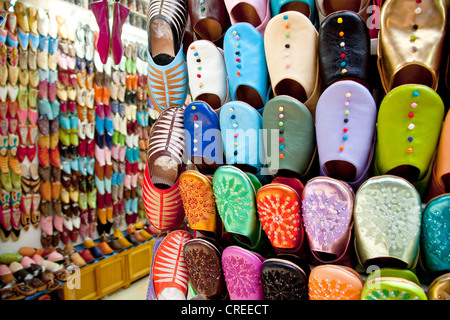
{"points": [[387, 215], [327, 211], [291, 47], [346, 118], [240, 126], [245, 62], [409, 124], [242, 272], [207, 73], [290, 145], [203, 137], [169, 270], [344, 48]]}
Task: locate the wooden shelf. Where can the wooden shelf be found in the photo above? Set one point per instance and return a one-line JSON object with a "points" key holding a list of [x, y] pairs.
{"points": [[115, 271]]}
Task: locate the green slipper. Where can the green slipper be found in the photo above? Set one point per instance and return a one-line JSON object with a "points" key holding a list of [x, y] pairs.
{"points": [[409, 125], [291, 140], [6, 181], [392, 284], [235, 194]]}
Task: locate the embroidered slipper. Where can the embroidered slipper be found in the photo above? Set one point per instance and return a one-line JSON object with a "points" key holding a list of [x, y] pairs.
{"points": [[344, 49], [240, 126], [209, 20], [169, 272], [293, 71], [407, 135], [439, 288], [235, 195], [290, 144], [387, 215], [327, 7], [410, 44], [245, 62], [203, 261], [254, 12], [279, 210], [199, 206], [167, 71], [5, 215], [307, 7], [392, 284], [207, 73], [201, 124], [327, 210], [334, 282], [242, 272], [434, 235], [285, 277], [346, 116]]}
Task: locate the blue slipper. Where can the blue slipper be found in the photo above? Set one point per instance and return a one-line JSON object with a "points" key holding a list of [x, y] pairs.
{"points": [[245, 62], [203, 136], [241, 125]]}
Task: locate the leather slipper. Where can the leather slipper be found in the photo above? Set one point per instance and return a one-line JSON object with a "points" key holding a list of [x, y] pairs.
{"points": [[209, 20], [346, 116], [240, 126], [327, 210], [203, 136], [327, 7], [285, 277], [169, 271], [387, 215], [254, 12], [307, 7], [203, 262], [290, 144], [242, 272], [245, 62]]}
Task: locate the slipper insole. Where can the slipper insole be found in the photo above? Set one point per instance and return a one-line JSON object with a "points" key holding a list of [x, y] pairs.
{"points": [[161, 42], [291, 88], [164, 173], [244, 12], [250, 96], [297, 6], [446, 180], [209, 29], [212, 99], [407, 172], [413, 73], [331, 6], [341, 170]]}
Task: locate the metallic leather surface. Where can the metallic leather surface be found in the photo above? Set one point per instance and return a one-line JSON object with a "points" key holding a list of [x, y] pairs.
{"points": [[387, 215], [411, 34], [439, 289], [327, 209]]}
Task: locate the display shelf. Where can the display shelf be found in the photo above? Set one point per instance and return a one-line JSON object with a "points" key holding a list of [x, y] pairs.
{"points": [[114, 271]]}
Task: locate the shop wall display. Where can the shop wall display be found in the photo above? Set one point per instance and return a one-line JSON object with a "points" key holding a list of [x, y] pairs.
{"points": [[259, 150]]}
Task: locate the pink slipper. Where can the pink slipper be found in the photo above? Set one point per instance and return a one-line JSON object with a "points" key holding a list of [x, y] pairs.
{"points": [[255, 12]]}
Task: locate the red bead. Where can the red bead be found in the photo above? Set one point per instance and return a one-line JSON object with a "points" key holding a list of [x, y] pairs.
{"points": [[235, 135], [411, 115], [281, 139], [343, 55], [199, 76], [195, 118], [238, 60], [345, 129]]}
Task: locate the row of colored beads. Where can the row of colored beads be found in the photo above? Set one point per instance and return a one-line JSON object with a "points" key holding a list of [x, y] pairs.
{"points": [[199, 68], [342, 45], [281, 131], [196, 126], [238, 53], [414, 37], [411, 126], [235, 125], [202, 8], [347, 113], [287, 45]]}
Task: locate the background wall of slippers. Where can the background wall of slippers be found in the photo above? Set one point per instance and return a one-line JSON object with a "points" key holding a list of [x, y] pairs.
{"points": [[74, 129]]}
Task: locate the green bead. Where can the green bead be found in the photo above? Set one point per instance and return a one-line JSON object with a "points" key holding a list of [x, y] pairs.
{"points": [[202, 8]]}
